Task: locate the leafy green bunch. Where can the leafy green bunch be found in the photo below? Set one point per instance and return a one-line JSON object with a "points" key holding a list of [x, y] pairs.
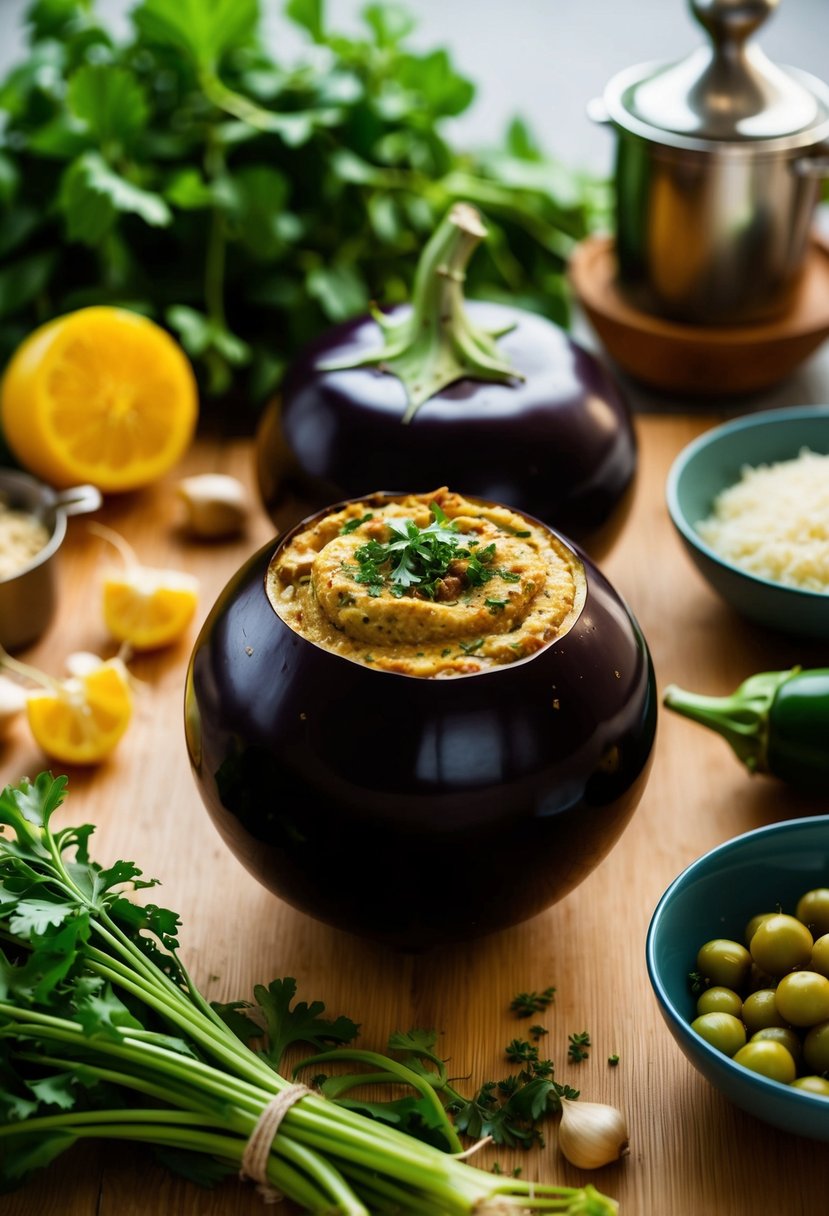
{"points": [[104, 1035], [245, 201]]}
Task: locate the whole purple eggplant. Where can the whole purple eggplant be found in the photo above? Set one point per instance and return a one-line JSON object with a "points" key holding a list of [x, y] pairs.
{"points": [[492, 399]]}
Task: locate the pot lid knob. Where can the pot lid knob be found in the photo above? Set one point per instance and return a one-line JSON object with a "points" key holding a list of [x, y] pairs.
{"points": [[728, 90]]}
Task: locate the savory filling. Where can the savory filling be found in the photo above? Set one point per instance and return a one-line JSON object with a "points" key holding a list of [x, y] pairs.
{"points": [[22, 536], [427, 585]]}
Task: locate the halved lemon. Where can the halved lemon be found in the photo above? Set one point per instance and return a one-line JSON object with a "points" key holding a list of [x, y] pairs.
{"points": [[102, 396], [148, 608], [81, 719]]}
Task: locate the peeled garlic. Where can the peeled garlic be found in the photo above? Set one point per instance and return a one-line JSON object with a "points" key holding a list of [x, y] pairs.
{"points": [[82, 662], [215, 505], [591, 1134], [12, 703]]}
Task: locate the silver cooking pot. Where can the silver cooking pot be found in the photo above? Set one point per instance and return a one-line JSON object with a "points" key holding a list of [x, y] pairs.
{"points": [[28, 597], [718, 165]]}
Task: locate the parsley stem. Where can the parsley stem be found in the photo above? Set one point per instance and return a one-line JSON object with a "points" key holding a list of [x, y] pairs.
{"points": [[403, 1073]]}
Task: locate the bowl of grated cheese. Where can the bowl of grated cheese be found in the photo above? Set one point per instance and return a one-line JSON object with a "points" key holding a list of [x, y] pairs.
{"points": [[750, 501]]}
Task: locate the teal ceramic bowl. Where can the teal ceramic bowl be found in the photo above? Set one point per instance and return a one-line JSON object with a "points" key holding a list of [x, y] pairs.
{"points": [[715, 897], [714, 461]]}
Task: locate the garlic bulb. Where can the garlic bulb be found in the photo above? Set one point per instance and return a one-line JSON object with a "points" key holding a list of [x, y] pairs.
{"points": [[591, 1134], [215, 505], [12, 703]]}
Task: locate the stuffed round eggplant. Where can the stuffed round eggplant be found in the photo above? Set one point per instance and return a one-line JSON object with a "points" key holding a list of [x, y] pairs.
{"points": [[415, 752], [499, 400]]}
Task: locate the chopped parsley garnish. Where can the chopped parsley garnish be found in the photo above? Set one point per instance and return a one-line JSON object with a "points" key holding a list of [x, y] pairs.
{"points": [[496, 605], [353, 524], [415, 559], [471, 647]]}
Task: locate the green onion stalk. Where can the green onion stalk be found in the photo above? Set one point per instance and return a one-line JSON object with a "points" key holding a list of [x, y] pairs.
{"points": [[104, 1035]]}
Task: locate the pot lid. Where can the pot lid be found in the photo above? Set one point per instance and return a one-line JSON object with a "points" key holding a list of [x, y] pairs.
{"points": [[728, 90]]}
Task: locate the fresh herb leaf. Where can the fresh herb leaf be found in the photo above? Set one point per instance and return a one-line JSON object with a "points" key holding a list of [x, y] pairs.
{"points": [[577, 1049], [352, 525], [204, 31], [300, 1023], [110, 102], [525, 1004]]}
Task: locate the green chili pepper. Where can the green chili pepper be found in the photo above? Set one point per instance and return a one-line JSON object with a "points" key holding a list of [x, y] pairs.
{"points": [[777, 722]]}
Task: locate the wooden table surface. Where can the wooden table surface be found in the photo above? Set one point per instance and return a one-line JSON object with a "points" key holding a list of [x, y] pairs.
{"points": [[692, 1154]]}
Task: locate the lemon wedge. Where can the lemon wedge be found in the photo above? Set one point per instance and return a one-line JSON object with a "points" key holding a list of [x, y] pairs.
{"points": [[148, 608], [79, 720]]}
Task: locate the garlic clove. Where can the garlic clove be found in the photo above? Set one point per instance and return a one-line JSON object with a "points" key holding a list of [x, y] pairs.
{"points": [[591, 1134], [82, 662], [215, 505], [12, 704]]}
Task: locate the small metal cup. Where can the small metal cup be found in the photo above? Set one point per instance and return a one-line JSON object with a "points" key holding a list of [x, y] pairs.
{"points": [[28, 597]]}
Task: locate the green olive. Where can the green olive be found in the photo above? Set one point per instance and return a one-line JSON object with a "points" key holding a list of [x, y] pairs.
{"points": [[724, 963], [720, 1000], [816, 1047], [769, 1059], [780, 1034], [780, 944], [754, 924], [760, 1010], [803, 998], [820, 956], [721, 1030], [813, 910], [812, 1085]]}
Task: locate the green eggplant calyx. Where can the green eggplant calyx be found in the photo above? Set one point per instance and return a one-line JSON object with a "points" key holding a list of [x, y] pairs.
{"points": [[741, 718], [435, 343]]}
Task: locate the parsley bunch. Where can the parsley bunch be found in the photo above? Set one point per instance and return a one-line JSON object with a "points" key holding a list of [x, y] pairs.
{"points": [[106, 1036], [248, 201]]}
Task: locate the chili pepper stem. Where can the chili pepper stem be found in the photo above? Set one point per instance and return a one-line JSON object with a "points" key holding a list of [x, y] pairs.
{"points": [[741, 718]]}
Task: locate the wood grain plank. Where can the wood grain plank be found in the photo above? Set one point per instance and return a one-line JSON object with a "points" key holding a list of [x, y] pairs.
{"points": [[692, 1153]]}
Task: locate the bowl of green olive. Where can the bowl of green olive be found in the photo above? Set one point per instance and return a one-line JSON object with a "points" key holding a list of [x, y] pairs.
{"points": [[738, 957]]}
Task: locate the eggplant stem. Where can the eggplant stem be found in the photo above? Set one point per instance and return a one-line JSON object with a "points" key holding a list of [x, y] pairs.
{"points": [[436, 344]]}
